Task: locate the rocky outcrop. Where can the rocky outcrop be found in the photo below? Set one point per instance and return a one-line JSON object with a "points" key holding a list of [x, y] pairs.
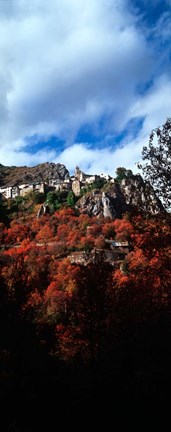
{"points": [[129, 195], [42, 210], [12, 176], [90, 203], [107, 209], [140, 194]]}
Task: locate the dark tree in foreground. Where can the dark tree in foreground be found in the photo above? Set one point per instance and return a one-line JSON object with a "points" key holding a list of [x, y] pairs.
{"points": [[157, 156]]}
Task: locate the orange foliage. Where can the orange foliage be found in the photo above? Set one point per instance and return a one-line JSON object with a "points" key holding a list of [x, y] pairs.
{"points": [[45, 233]]}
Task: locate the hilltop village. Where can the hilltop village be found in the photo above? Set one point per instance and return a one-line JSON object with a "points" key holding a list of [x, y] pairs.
{"points": [[114, 252], [75, 183]]}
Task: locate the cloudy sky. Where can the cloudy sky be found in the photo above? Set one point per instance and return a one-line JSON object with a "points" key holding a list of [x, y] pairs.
{"points": [[82, 82]]}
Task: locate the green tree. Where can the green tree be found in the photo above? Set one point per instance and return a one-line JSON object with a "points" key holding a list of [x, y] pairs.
{"points": [[99, 183], [122, 173], [157, 157], [54, 200], [71, 199], [34, 196]]}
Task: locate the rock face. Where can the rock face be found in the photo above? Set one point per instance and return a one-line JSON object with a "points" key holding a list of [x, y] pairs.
{"points": [[43, 172], [76, 187], [140, 194], [91, 203], [107, 209], [117, 198]]}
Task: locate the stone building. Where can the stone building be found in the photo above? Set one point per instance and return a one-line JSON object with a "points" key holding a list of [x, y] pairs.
{"points": [[78, 174], [26, 189]]}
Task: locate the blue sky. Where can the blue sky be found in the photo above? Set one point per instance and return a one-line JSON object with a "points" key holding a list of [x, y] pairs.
{"points": [[82, 82]]}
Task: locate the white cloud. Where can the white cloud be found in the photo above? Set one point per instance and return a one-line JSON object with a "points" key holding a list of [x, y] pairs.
{"points": [[98, 160], [155, 106], [66, 63]]}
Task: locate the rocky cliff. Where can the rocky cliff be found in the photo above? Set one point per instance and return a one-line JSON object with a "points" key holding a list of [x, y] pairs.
{"points": [[115, 199], [12, 176]]}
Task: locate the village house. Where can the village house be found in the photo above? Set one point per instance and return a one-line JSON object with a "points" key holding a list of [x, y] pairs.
{"points": [[21, 190], [114, 257], [10, 191], [60, 185], [27, 188]]}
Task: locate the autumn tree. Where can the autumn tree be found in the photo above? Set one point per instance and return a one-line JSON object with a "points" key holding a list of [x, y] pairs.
{"points": [[144, 281], [46, 233], [77, 303], [157, 157], [16, 233], [123, 229]]}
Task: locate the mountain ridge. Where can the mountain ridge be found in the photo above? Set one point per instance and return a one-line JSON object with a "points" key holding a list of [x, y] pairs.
{"points": [[13, 176]]}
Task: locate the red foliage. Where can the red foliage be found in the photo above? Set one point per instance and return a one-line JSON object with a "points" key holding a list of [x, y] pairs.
{"points": [[148, 266], [16, 233], [74, 238], [123, 229], [86, 242], [99, 242], [85, 303], [108, 230]]}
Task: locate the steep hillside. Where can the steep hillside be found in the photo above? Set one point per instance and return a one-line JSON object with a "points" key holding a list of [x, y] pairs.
{"points": [[11, 176]]}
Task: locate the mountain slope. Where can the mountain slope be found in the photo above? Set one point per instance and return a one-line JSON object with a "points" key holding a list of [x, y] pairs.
{"points": [[12, 176]]}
